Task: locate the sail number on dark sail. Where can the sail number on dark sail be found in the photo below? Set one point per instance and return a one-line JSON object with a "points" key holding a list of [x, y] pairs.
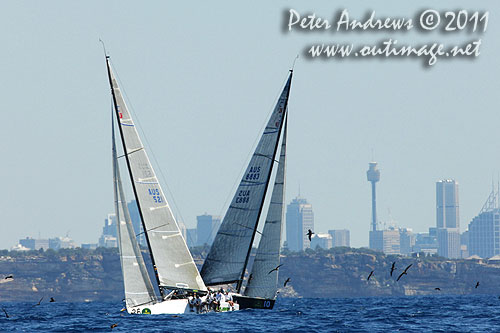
{"points": [[253, 174]]}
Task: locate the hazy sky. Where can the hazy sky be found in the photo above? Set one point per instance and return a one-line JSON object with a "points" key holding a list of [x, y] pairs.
{"points": [[202, 77]]}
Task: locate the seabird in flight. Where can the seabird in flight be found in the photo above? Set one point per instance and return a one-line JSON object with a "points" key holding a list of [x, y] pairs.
{"points": [[404, 272], [40, 301], [286, 281], [309, 234], [275, 269]]}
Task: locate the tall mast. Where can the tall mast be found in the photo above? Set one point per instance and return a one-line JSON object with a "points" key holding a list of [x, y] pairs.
{"points": [[131, 176], [240, 281]]}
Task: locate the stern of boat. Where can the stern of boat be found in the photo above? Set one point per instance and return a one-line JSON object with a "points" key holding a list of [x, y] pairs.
{"points": [[173, 306], [246, 302]]}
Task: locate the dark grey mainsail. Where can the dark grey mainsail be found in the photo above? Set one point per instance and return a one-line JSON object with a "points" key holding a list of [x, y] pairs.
{"points": [[264, 281], [226, 262], [138, 287], [172, 261]]}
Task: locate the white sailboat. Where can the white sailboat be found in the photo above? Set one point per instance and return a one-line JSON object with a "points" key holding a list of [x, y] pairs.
{"points": [[176, 274], [227, 260]]}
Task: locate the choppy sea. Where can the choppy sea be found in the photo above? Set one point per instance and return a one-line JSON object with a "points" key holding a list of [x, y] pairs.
{"points": [[438, 313]]}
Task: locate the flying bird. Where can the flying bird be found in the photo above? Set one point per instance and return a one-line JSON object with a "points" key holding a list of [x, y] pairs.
{"points": [[275, 269], [369, 276], [113, 326], [52, 300], [9, 277], [439, 289], [477, 284], [404, 272], [393, 268], [309, 234], [6, 314], [40, 301], [286, 281]]}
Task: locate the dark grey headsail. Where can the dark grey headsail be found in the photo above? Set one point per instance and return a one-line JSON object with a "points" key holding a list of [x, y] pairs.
{"points": [[138, 287], [264, 281], [226, 262]]}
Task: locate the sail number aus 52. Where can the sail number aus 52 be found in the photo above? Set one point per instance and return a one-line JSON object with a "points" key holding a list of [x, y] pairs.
{"points": [[155, 193], [253, 174]]}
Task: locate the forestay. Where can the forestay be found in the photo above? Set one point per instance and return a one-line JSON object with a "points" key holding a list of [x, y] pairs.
{"points": [[263, 280], [229, 253], [174, 265], [138, 287]]}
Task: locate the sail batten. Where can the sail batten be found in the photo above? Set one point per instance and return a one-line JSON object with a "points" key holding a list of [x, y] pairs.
{"points": [[230, 250], [150, 198], [264, 281]]}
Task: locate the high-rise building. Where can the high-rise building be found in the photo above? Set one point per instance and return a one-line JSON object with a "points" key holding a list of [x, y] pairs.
{"points": [[484, 238], [299, 219], [109, 227], [449, 242], [109, 232], [406, 241], [447, 213], [323, 241], [387, 241], [340, 238], [484, 230], [191, 237], [426, 242], [373, 176], [207, 227], [447, 218]]}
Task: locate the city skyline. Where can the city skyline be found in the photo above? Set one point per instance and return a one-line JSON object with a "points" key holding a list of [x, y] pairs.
{"points": [[202, 101]]}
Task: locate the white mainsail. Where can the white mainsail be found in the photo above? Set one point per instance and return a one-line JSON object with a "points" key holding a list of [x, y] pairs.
{"points": [[263, 281], [172, 261], [138, 287], [228, 256]]}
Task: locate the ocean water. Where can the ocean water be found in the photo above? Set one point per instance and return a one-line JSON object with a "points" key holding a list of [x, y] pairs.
{"points": [[438, 313]]}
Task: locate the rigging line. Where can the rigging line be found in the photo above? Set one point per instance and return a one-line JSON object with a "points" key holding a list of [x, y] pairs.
{"points": [[244, 226], [130, 153], [143, 133], [254, 146], [151, 229]]}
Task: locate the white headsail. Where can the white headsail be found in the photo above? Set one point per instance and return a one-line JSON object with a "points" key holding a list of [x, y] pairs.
{"points": [[171, 258], [138, 287], [263, 280], [228, 256]]}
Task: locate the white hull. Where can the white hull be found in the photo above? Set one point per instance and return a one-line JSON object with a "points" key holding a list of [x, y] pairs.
{"points": [[174, 306]]}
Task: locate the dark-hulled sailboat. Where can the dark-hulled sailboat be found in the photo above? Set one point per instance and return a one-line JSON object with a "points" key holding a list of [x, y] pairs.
{"points": [[228, 257]]}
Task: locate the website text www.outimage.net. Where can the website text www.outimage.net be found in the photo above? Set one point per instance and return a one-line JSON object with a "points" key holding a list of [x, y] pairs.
{"points": [[447, 22]]}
